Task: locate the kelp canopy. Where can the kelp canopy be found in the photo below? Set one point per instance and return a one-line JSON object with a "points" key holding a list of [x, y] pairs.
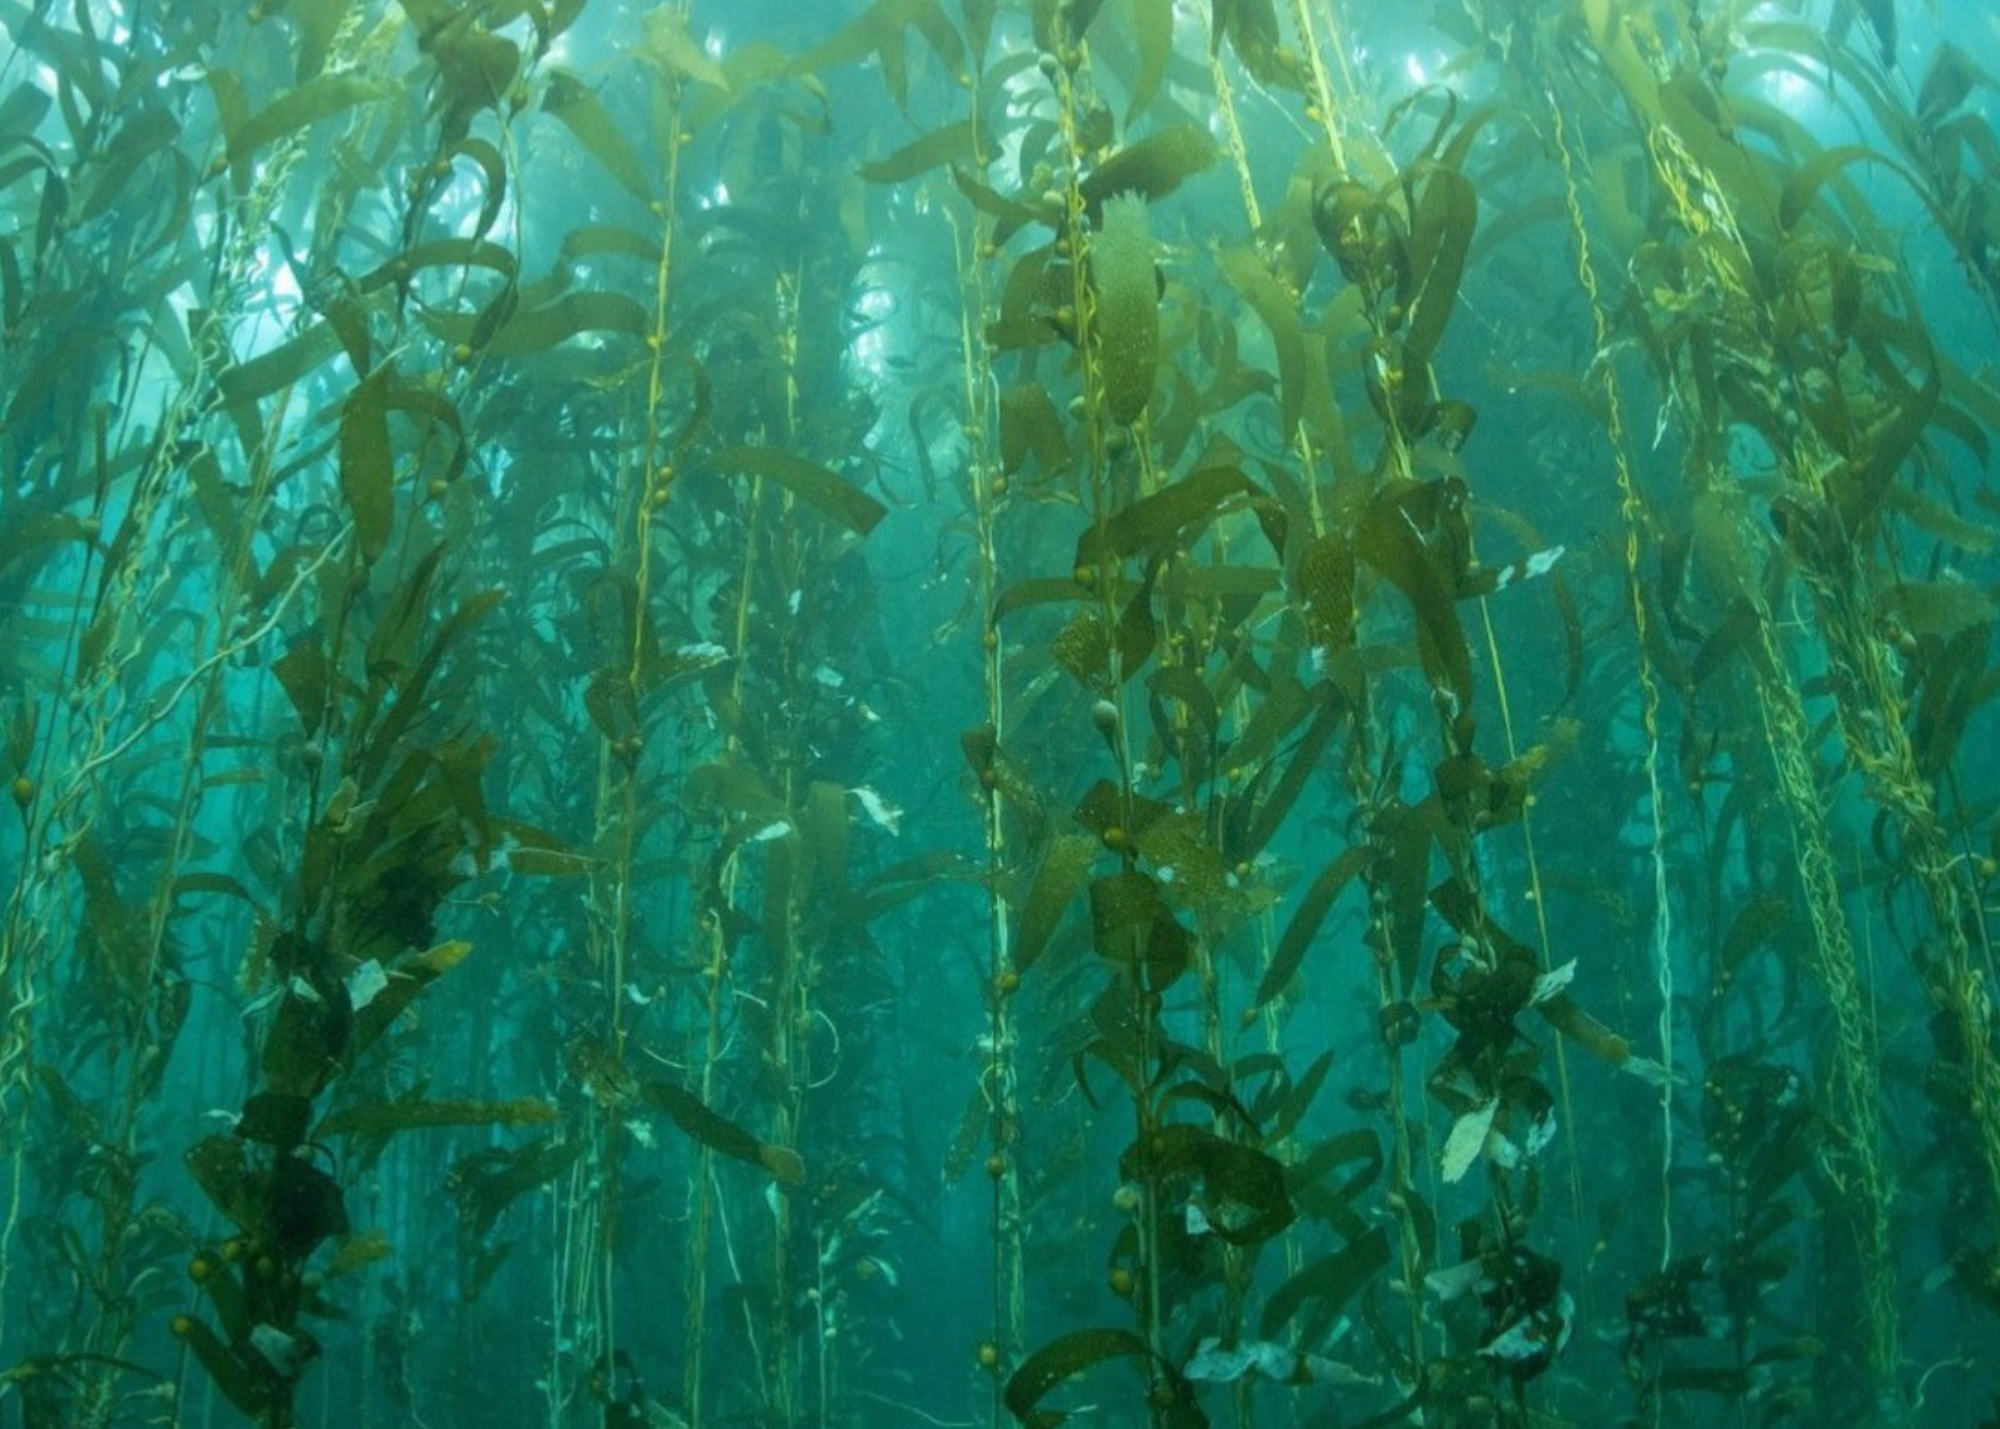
{"points": [[969, 712]]}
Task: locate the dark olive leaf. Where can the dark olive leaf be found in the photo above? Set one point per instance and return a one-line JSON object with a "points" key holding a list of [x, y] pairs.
{"points": [[408, 978], [1176, 843], [367, 465], [1313, 907], [529, 330], [1252, 27], [1756, 924], [734, 788], [1035, 291], [220, 1167], [455, 253], [1325, 584], [1390, 541], [485, 1183], [1267, 812], [1157, 522], [1153, 34], [247, 1383], [1440, 236], [204, 882], [1941, 608], [411, 685], [1584, 1030], [1133, 929], [536, 853], [1327, 1284], [951, 144], [318, 98], [23, 110], [317, 23], [1250, 275], [1010, 215], [378, 1118], [276, 1119], [1948, 83], [283, 366], [1861, 492], [601, 240], [1244, 1196], [720, 1134], [1030, 426], [1358, 1148], [812, 483], [973, 1128], [303, 673], [308, 1040], [1064, 870], [580, 111], [1152, 168], [476, 71], [1805, 182], [1186, 688], [1046, 590], [1138, 632], [302, 1207], [1059, 1360]]}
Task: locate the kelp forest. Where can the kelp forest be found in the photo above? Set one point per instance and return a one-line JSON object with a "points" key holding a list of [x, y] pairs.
{"points": [[949, 714]]}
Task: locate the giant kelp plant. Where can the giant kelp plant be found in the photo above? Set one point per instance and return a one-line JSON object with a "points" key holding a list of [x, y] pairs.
{"points": [[968, 712]]}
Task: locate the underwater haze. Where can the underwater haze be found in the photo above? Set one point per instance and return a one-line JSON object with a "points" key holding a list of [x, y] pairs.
{"points": [[954, 714]]}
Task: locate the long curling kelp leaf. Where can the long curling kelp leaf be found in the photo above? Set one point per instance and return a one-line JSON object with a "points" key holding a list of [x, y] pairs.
{"points": [[1307, 917], [408, 978], [1804, 184], [284, 365], [377, 1118], [529, 330], [318, 98], [1586, 1031], [1030, 426], [719, 1133], [1064, 871], [1252, 278], [1441, 234], [1388, 541], [247, 1391], [881, 30], [584, 115], [1265, 814], [1940, 608], [1153, 32], [1059, 1360], [438, 253], [411, 685], [812, 483], [1156, 522], [952, 144], [1244, 1195], [1861, 494], [304, 674], [494, 196], [367, 465], [1327, 1284], [1132, 928]]}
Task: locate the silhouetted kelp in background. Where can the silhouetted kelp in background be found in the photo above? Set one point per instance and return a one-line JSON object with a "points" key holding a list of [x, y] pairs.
{"points": [[633, 639]]}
